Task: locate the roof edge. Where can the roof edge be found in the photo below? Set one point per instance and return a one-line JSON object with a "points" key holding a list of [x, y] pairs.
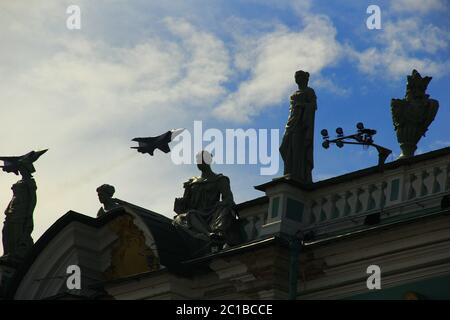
{"points": [[354, 174]]}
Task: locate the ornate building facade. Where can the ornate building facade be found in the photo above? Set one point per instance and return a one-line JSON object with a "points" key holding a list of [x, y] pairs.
{"points": [[301, 241]]}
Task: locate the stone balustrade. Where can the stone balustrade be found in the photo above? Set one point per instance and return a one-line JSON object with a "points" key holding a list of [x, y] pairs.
{"points": [[404, 188]]}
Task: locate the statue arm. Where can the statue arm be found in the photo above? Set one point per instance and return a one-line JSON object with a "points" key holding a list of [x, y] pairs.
{"points": [[225, 190], [294, 117], [181, 204], [32, 200], [311, 100], [301, 107], [30, 196], [312, 96]]}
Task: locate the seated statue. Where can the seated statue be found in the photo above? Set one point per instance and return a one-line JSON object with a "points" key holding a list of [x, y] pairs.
{"points": [[206, 214], [105, 196]]}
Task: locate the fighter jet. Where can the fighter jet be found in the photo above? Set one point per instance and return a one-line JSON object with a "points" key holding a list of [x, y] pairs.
{"points": [[161, 142], [14, 164]]}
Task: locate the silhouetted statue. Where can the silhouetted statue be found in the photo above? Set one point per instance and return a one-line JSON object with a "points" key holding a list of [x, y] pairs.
{"points": [[413, 114], [18, 224], [297, 146], [105, 196], [205, 212]]}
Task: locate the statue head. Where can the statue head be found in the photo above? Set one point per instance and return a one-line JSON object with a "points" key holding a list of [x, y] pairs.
{"points": [[416, 86], [105, 193], [302, 78], [203, 160]]}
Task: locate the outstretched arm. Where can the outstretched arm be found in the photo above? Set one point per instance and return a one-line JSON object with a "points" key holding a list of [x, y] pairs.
{"points": [[225, 190]]}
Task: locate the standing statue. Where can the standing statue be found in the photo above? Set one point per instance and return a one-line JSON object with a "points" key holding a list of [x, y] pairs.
{"points": [[18, 224], [413, 114], [105, 195], [206, 216], [297, 146]]}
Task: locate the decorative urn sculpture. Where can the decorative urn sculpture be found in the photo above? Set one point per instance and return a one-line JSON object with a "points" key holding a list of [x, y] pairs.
{"points": [[412, 115]]}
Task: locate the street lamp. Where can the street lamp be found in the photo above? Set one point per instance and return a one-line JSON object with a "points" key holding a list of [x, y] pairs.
{"points": [[362, 137]]}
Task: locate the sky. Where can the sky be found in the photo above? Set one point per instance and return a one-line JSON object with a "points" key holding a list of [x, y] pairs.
{"points": [[142, 67]]}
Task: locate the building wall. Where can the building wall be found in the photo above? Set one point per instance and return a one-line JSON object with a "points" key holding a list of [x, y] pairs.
{"points": [[411, 257]]}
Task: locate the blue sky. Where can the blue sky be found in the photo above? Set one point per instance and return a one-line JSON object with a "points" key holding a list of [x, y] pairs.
{"points": [[138, 68]]}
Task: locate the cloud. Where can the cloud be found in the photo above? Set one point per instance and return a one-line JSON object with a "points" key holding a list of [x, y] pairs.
{"points": [[412, 35], [375, 61], [331, 85], [85, 99], [270, 60], [418, 6], [403, 45]]}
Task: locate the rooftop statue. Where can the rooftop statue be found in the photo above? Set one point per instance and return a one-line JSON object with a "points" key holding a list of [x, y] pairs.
{"points": [[297, 146], [105, 196], [18, 224], [206, 216], [413, 114]]}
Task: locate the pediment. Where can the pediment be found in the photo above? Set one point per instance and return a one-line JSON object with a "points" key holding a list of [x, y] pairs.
{"points": [[124, 242]]}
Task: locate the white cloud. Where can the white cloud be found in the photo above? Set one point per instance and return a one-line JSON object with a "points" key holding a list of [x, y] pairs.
{"points": [[85, 99], [418, 6], [411, 35], [330, 84], [402, 46], [272, 59], [375, 61]]}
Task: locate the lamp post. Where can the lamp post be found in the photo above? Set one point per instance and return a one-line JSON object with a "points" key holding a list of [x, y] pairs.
{"points": [[362, 137]]}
